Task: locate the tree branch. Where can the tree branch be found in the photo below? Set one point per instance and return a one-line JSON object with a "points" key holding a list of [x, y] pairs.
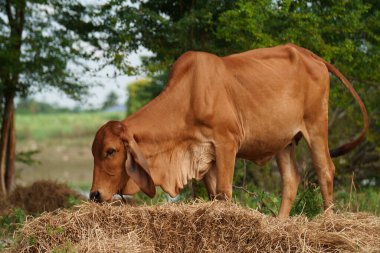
{"points": [[21, 17], [355, 79], [9, 12]]}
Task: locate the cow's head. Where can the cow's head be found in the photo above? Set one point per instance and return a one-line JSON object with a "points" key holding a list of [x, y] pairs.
{"points": [[119, 165]]}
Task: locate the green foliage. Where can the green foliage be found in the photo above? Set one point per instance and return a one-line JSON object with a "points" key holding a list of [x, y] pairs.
{"points": [[54, 230], [143, 91], [263, 201], [159, 198], [66, 247], [32, 240], [364, 200], [27, 157], [72, 201], [12, 221], [247, 26], [169, 28], [139, 94], [9, 223], [308, 201]]}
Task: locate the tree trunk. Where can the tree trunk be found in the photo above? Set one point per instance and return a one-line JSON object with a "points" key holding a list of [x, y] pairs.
{"points": [[15, 11], [5, 127], [11, 153]]}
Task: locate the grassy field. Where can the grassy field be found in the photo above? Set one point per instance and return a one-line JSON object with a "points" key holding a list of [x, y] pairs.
{"points": [[63, 142], [41, 127]]}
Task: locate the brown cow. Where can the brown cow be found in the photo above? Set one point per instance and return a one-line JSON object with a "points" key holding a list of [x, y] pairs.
{"points": [[253, 105]]}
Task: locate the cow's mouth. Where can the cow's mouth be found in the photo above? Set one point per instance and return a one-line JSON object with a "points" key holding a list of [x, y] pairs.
{"points": [[95, 196], [120, 193]]}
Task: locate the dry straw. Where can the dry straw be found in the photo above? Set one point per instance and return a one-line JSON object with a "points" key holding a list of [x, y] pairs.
{"points": [[42, 195], [196, 227]]}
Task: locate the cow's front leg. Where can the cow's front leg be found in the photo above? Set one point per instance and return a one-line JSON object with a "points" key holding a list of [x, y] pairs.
{"points": [[225, 163]]}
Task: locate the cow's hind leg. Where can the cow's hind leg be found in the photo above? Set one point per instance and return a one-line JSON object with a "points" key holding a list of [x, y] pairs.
{"points": [[290, 178], [318, 143], [210, 182]]}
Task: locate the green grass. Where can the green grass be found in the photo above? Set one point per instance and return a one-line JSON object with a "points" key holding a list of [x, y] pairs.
{"points": [[309, 200], [9, 223], [61, 125], [364, 200]]}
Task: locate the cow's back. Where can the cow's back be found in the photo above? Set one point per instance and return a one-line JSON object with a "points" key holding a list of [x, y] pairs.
{"points": [[273, 89], [259, 97]]}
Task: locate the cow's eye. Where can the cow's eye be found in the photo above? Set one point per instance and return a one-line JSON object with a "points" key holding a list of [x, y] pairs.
{"points": [[110, 152]]}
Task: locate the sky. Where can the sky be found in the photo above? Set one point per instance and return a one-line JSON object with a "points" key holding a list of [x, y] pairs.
{"points": [[97, 94]]}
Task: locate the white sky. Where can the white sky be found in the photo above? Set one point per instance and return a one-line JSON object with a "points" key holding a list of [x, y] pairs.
{"points": [[97, 94]]}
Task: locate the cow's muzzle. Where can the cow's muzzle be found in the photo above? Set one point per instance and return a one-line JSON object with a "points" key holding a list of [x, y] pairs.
{"points": [[95, 196]]}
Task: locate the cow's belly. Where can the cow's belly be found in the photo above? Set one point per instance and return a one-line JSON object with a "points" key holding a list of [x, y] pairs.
{"points": [[261, 152], [264, 143]]}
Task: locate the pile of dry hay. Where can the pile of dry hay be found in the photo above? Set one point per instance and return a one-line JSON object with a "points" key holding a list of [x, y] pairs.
{"points": [[41, 196], [197, 227]]}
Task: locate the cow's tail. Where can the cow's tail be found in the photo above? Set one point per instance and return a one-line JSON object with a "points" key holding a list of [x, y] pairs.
{"points": [[341, 150]]}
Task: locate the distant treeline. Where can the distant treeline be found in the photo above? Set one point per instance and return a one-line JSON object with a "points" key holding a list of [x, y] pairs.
{"points": [[31, 106]]}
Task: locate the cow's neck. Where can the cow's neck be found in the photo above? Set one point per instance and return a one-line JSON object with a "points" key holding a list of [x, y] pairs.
{"points": [[175, 163], [159, 130]]}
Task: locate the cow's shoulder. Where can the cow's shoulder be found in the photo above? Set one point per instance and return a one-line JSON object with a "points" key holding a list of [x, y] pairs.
{"points": [[194, 61], [195, 57]]}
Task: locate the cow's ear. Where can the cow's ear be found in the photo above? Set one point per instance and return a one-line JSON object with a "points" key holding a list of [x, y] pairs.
{"points": [[137, 168]]}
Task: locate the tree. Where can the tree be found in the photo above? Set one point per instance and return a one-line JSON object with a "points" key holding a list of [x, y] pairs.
{"points": [[111, 100], [46, 44], [346, 33]]}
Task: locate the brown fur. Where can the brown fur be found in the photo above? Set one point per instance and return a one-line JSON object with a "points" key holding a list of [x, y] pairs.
{"points": [[254, 105]]}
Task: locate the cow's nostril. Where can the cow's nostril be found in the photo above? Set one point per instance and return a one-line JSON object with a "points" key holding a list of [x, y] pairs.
{"points": [[95, 196]]}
